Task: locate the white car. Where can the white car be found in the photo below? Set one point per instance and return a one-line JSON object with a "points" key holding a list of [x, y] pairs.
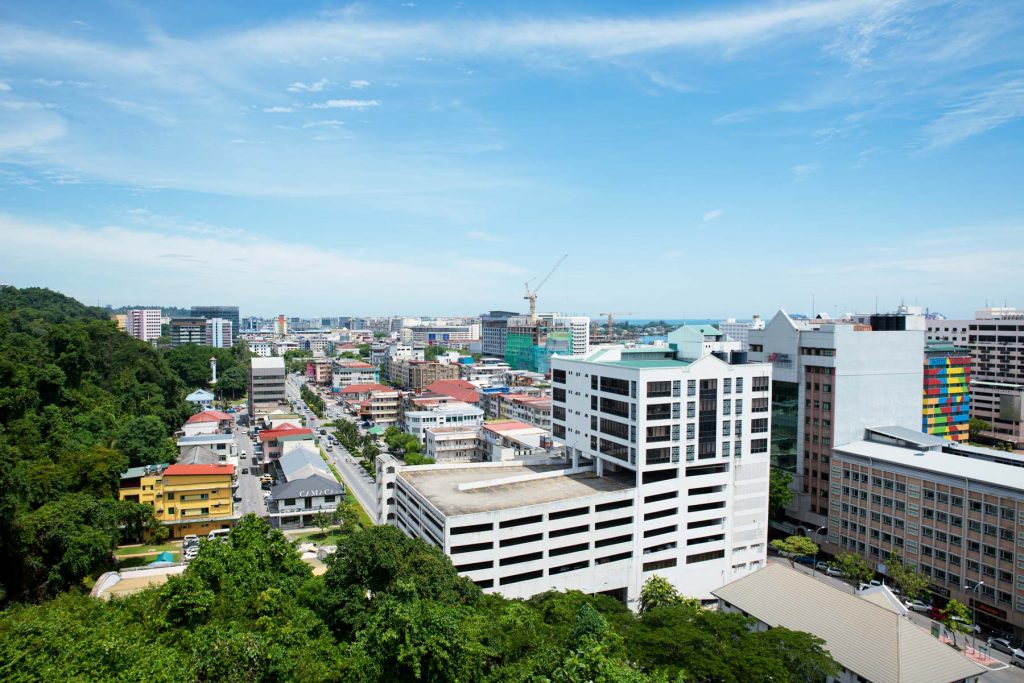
{"points": [[917, 606]]}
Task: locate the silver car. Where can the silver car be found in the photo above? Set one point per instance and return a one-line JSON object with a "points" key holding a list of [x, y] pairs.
{"points": [[1001, 644]]}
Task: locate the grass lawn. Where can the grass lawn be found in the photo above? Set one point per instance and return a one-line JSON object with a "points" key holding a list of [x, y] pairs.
{"points": [[147, 549], [364, 518], [330, 538]]}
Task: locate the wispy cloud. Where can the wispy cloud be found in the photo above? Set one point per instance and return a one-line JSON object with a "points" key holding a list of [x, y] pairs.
{"points": [[481, 236], [278, 110], [359, 84], [804, 171], [713, 214], [327, 123], [346, 104], [978, 114], [4, 87], [299, 86]]}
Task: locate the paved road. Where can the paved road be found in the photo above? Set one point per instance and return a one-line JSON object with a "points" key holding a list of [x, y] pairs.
{"points": [[248, 484], [354, 476], [1010, 674]]}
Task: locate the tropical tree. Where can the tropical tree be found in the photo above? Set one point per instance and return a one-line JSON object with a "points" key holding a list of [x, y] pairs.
{"points": [[976, 426], [911, 581], [323, 520], [957, 618], [854, 567], [780, 493], [796, 547]]}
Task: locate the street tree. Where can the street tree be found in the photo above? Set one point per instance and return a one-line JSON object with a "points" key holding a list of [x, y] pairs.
{"points": [[659, 592], [780, 493], [854, 566], [323, 521], [911, 581], [957, 618], [796, 547]]}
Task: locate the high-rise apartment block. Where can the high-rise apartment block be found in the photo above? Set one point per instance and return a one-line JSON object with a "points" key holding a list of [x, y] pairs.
{"points": [[143, 323], [996, 341], [229, 313], [266, 385], [218, 333], [493, 331], [832, 380], [947, 401]]}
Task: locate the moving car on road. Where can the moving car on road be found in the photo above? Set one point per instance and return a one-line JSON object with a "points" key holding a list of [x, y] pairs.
{"points": [[1001, 644]]}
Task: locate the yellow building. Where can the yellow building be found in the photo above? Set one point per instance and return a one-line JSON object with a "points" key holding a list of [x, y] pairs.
{"points": [[189, 499]]}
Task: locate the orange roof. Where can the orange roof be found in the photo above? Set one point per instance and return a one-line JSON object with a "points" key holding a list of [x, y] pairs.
{"points": [[183, 470], [352, 363], [458, 389], [286, 429], [364, 388], [502, 426], [209, 416]]}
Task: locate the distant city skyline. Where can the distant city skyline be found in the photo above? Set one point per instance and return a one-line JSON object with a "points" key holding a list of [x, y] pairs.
{"points": [[714, 159]]}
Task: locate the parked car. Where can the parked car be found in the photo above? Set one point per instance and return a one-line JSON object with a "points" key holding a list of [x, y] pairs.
{"points": [[1001, 644], [330, 448], [1017, 658], [970, 627], [917, 606], [826, 568], [838, 573], [219, 534]]}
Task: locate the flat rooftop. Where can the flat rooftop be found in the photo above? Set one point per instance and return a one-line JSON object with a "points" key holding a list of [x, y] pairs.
{"points": [[633, 357], [441, 487], [939, 463]]}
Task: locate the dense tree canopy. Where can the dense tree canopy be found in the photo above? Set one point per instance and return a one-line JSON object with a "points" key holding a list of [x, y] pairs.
{"points": [[389, 609], [79, 402]]}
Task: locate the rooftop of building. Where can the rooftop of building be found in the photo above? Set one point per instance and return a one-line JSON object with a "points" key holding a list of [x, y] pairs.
{"points": [[303, 462], [283, 431], [920, 456], [471, 489], [634, 357], [511, 426], [456, 388], [870, 639], [198, 455], [187, 470], [143, 470], [205, 438], [451, 407], [316, 484], [935, 346], [209, 416], [353, 364], [365, 388], [268, 363], [200, 395]]}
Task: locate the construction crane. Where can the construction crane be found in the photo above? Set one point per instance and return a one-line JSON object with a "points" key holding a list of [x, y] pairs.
{"points": [[610, 320], [532, 296]]}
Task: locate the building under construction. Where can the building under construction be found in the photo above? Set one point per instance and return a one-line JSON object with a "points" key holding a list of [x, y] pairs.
{"points": [[529, 345]]}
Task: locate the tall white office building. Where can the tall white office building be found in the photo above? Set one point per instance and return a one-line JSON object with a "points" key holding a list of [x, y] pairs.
{"points": [[667, 475], [218, 333]]}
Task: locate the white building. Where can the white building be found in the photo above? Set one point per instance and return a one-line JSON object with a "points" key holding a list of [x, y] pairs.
{"points": [[738, 330], [143, 323], [261, 347], [308, 488], [223, 445], [831, 381], [669, 475], [454, 414], [439, 334], [266, 386], [347, 372], [218, 333], [453, 444]]}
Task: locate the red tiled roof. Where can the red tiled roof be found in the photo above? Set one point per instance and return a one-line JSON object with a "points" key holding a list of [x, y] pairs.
{"points": [[459, 389], [354, 364], [183, 470], [209, 416], [364, 388]]}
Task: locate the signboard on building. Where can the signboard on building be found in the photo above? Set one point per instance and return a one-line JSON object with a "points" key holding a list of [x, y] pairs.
{"points": [[988, 609], [782, 360]]}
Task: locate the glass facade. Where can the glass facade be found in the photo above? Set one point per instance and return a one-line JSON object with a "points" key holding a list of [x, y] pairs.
{"points": [[785, 414]]}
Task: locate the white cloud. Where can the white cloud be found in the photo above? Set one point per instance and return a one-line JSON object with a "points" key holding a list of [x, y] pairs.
{"points": [[327, 123], [481, 236], [359, 84], [27, 125], [346, 104], [979, 114], [802, 171], [4, 87], [171, 254], [299, 86], [713, 214], [279, 110]]}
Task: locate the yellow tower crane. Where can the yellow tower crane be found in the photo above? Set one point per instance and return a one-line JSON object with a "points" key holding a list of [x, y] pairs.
{"points": [[531, 296]]}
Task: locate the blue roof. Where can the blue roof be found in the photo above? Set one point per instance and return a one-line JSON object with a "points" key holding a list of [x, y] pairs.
{"points": [[200, 395]]}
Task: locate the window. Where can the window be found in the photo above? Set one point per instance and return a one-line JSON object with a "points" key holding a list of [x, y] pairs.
{"points": [[659, 389], [759, 445]]}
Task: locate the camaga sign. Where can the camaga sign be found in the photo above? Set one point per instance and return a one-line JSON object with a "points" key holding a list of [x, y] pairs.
{"points": [[313, 493]]}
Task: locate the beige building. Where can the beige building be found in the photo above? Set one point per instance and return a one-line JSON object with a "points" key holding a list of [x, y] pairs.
{"points": [[453, 444], [946, 508]]}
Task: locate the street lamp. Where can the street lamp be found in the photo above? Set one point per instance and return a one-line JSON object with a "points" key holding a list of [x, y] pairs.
{"points": [[814, 536], [974, 612]]}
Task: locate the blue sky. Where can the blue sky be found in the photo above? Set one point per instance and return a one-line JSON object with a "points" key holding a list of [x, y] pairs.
{"points": [[693, 159]]}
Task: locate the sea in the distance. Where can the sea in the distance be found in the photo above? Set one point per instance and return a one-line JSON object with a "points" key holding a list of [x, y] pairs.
{"points": [[672, 322]]}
